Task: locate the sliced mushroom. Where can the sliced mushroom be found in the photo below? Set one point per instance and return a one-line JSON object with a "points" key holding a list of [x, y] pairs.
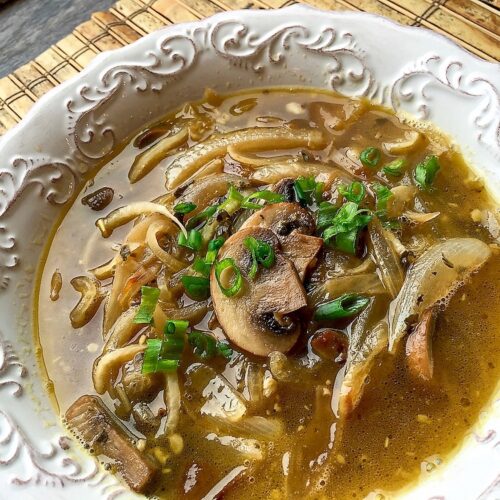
{"points": [[259, 318], [302, 250], [95, 425], [419, 346], [293, 226]]}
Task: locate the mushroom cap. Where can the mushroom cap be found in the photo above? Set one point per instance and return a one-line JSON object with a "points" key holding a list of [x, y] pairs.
{"points": [[257, 318], [293, 226], [282, 219]]}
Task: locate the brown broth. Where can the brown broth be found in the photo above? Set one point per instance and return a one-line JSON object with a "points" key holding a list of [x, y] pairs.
{"points": [[400, 429]]}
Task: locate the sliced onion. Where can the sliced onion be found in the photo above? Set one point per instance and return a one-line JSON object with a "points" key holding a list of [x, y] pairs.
{"points": [[366, 344], [434, 278], [146, 273], [261, 428], [123, 330], [163, 227], [148, 160], [202, 192], [386, 257], [419, 217], [193, 313], [367, 284], [409, 143], [271, 174], [250, 449], [113, 307], [125, 214], [250, 139], [255, 160], [172, 396], [106, 367], [401, 197], [90, 299]]}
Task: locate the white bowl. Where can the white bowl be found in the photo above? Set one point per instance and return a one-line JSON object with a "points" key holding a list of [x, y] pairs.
{"points": [[69, 131]]}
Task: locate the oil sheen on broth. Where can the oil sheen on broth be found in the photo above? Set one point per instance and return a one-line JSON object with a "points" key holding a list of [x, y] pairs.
{"points": [[368, 392]]}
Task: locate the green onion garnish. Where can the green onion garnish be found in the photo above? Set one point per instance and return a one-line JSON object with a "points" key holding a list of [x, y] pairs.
{"points": [[163, 355], [193, 241], [224, 349], [264, 195], [325, 214], [262, 253], [344, 306], [347, 242], [206, 346], [184, 208], [149, 299], [395, 168], [236, 281], [202, 216], [426, 171], [197, 287], [233, 201], [201, 266], [348, 220], [382, 194], [308, 190], [355, 192], [213, 248], [370, 157]]}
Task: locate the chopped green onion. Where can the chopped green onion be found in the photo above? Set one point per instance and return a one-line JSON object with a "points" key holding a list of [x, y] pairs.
{"points": [[184, 208], [233, 201], [163, 355], [344, 306], [370, 157], [149, 299], [325, 214], [262, 253], [426, 171], [264, 195], [236, 281], [193, 240], [347, 242], [206, 346], [307, 189], [201, 266], [213, 248], [153, 362], [344, 228], [224, 349], [382, 193], [355, 192], [197, 287], [395, 168], [202, 216]]}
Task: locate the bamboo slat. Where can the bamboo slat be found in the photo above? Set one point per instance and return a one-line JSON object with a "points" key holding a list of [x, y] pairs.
{"points": [[471, 23]]}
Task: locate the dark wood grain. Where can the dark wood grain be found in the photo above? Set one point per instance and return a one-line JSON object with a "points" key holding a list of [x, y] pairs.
{"points": [[28, 27]]}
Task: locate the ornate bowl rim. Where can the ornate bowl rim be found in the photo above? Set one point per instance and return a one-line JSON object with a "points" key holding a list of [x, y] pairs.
{"points": [[42, 166]]}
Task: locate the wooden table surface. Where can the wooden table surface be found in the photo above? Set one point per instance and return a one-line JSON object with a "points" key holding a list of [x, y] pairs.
{"points": [[28, 27]]}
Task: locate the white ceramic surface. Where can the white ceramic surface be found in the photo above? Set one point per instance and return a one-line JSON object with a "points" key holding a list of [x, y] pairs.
{"points": [[72, 128]]}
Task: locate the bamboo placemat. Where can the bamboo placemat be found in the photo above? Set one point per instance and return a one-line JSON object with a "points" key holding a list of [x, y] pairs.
{"points": [[471, 23]]}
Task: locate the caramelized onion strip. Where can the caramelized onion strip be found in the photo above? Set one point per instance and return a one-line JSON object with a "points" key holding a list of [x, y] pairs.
{"points": [[125, 214], [163, 227], [255, 160], [250, 139], [271, 174], [148, 160], [91, 298], [106, 367], [122, 330]]}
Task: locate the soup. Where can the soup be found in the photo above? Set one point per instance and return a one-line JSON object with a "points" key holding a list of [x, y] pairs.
{"points": [[280, 293]]}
